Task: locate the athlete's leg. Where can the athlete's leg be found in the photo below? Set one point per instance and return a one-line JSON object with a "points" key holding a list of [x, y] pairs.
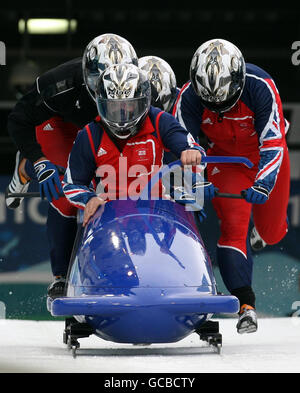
{"points": [[61, 231], [233, 254], [270, 219]]}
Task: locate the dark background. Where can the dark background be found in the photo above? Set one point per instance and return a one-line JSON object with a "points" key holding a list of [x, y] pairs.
{"points": [[171, 30]]}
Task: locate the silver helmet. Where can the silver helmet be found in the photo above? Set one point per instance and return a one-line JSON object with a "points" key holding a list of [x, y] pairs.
{"points": [[218, 74], [102, 52], [163, 81], [123, 98]]}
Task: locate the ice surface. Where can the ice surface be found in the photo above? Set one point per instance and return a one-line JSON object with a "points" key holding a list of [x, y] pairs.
{"points": [[36, 346]]}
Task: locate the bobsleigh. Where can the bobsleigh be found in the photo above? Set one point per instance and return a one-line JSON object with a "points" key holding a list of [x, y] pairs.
{"points": [[140, 274]]}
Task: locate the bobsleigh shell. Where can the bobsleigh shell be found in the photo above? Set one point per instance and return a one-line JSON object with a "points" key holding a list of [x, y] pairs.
{"points": [[141, 274]]}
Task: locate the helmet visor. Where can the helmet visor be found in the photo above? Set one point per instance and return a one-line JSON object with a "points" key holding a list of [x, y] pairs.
{"points": [[122, 112]]}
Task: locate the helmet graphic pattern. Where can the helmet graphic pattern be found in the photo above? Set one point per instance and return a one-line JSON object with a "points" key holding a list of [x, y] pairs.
{"points": [[163, 81], [102, 52], [121, 82], [217, 74]]}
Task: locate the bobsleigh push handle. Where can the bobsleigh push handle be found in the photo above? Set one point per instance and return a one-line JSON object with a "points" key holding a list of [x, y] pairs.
{"points": [[227, 159], [219, 160], [206, 160]]}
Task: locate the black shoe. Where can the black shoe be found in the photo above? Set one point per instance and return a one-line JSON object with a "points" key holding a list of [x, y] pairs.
{"points": [[57, 288]]}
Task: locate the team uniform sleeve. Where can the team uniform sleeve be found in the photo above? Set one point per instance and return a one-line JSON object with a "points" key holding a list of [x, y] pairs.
{"points": [[176, 138], [270, 127], [80, 172]]}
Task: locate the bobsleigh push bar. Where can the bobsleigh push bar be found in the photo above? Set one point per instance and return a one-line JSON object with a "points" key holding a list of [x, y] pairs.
{"points": [[206, 160]]}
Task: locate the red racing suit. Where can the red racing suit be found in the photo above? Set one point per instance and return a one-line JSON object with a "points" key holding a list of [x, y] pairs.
{"points": [[129, 168]]}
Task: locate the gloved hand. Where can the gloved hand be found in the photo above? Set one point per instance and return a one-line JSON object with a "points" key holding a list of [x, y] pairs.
{"points": [[256, 194], [209, 190], [48, 178]]}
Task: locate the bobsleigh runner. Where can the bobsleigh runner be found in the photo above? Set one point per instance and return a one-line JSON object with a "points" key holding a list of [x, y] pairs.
{"points": [[140, 274]]}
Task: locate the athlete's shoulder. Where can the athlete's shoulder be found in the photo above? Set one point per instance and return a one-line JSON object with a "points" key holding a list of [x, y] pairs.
{"points": [[187, 95], [187, 90], [259, 86], [158, 114], [95, 128], [260, 95], [154, 113], [254, 72]]}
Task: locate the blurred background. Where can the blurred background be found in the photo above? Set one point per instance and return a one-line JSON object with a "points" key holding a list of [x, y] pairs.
{"points": [[264, 35]]}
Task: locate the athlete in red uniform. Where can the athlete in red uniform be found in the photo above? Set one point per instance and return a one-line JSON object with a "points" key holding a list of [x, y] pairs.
{"points": [[238, 108], [127, 142]]}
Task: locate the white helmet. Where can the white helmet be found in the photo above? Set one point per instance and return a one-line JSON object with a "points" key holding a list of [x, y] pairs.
{"points": [[163, 81], [218, 74], [102, 52], [123, 98]]}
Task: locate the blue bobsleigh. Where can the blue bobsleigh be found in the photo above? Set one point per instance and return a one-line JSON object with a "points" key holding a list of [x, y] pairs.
{"points": [[140, 274]]}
